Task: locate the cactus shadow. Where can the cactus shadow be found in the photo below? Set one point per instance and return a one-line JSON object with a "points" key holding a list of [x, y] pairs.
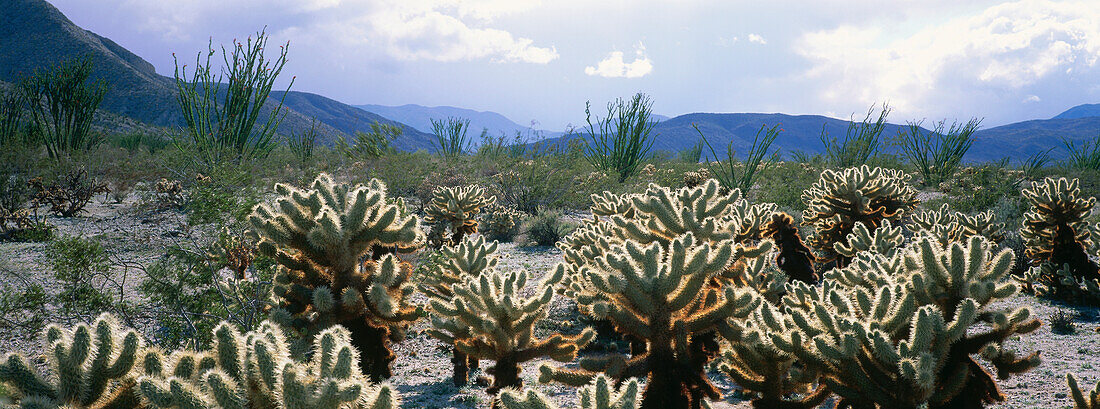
{"points": [[438, 394]]}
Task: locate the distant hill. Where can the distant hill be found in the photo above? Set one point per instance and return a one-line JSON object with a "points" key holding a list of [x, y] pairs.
{"points": [[419, 117], [1080, 111], [35, 35], [1022, 139]]}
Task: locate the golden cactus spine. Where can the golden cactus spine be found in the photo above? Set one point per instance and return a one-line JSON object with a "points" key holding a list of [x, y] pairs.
{"points": [[599, 394], [1057, 239], [320, 237]]}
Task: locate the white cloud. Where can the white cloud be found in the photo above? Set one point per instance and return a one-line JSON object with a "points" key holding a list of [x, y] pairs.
{"points": [[615, 66], [1032, 98], [1004, 50], [435, 30], [756, 38]]}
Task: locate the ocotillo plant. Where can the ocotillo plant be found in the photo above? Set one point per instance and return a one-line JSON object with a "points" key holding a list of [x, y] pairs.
{"points": [[320, 238], [1057, 238], [93, 368], [459, 207], [451, 136], [255, 370], [619, 142], [839, 199], [901, 331], [938, 152], [221, 113], [468, 259], [489, 318], [63, 104], [596, 395], [1080, 399]]}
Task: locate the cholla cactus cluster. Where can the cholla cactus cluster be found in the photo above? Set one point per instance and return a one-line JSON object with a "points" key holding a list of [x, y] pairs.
{"points": [[661, 267], [484, 314], [457, 207], [468, 259], [255, 370], [840, 199], [93, 366], [693, 178], [500, 223], [949, 226], [1057, 240], [596, 395], [334, 245]]}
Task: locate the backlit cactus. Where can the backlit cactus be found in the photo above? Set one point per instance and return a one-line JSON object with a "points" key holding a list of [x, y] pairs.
{"points": [[1082, 400], [666, 276], [458, 207], [599, 394], [333, 244], [793, 257], [840, 199], [489, 318], [902, 331], [468, 259], [500, 223], [255, 370], [92, 365], [949, 226], [1057, 236]]}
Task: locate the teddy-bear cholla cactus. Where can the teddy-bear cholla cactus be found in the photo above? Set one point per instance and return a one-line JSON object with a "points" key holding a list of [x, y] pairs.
{"points": [[93, 367], [793, 257], [840, 199], [459, 207], [898, 332], [255, 371], [327, 242], [489, 318], [949, 226], [468, 259], [500, 223], [599, 394], [887, 240], [666, 276], [1082, 400], [1057, 239]]}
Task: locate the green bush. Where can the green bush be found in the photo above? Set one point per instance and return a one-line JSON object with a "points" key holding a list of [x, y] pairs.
{"points": [[861, 142], [938, 152], [620, 142], [82, 268], [547, 228], [451, 136], [63, 104]]}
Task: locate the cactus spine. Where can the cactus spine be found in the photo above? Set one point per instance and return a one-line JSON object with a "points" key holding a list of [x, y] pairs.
{"points": [[468, 259], [459, 207], [334, 245], [488, 318], [94, 367], [840, 199]]}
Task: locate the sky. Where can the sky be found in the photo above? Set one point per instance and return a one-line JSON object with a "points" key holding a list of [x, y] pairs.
{"points": [[535, 60]]}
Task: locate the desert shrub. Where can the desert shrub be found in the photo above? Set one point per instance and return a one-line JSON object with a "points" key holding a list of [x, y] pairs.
{"points": [[301, 143], [12, 107], [979, 188], [546, 228], [224, 196], [501, 223], [619, 142], [371, 144], [82, 268], [1061, 322], [222, 125], [938, 152], [534, 184], [62, 104], [734, 174], [861, 142], [15, 217], [133, 142], [319, 237], [68, 192], [691, 155], [22, 302], [450, 134], [784, 183]]}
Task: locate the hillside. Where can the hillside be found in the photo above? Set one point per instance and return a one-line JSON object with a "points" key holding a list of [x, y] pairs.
{"points": [[1022, 139], [1080, 111], [35, 35], [419, 117]]}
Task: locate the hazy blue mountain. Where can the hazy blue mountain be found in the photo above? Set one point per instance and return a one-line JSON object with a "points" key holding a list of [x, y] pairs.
{"points": [[1080, 111], [419, 117], [1022, 139], [35, 35]]}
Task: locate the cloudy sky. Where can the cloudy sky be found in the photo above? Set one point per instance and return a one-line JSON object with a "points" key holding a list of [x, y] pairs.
{"points": [[542, 59]]}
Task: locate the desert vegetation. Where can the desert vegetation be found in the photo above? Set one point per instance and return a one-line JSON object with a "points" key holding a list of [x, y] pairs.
{"points": [[228, 265]]}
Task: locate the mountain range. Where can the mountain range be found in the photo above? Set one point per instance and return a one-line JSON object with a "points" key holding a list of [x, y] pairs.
{"points": [[34, 35]]}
